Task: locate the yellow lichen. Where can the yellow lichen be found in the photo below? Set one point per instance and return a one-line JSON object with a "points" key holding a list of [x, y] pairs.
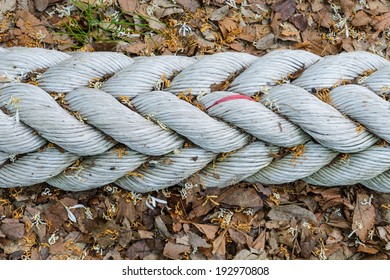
{"points": [[135, 174], [121, 151], [344, 158], [297, 151], [360, 128], [323, 95]]}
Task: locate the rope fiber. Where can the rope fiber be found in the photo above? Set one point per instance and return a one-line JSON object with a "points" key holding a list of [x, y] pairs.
{"points": [[79, 121]]}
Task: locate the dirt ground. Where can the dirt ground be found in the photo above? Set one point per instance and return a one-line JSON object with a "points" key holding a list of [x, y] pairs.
{"points": [[291, 221]]}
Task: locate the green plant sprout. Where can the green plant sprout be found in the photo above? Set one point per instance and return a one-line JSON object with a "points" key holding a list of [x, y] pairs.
{"points": [[102, 22]]}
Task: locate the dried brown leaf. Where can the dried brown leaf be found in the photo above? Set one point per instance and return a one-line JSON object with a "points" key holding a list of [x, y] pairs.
{"points": [[126, 210], [267, 191], [173, 251], [176, 227], [384, 233], [317, 5], [337, 220], [348, 44], [361, 18], [237, 236], [203, 44], [368, 249], [145, 234], [125, 237], [58, 247], [286, 8], [153, 22], [272, 224], [275, 24], [382, 22], [113, 254], [40, 231], [105, 234], [160, 225], [236, 46], [248, 33], [348, 7], [190, 5], [382, 206], [273, 243], [377, 7], [142, 248], [131, 48], [209, 230], [363, 216], [330, 197], [265, 42], [299, 21], [171, 11], [324, 18], [258, 6], [303, 6], [245, 198], [335, 235], [57, 213], [219, 244], [287, 212], [331, 249], [128, 6], [182, 239], [251, 254], [249, 15], [12, 228], [7, 6], [227, 25], [10, 246], [337, 255], [196, 241], [41, 5], [307, 247], [202, 206], [220, 14], [290, 33], [33, 27], [259, 242]]}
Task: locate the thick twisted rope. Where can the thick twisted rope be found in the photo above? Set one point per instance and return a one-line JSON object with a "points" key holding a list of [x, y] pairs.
{"points": [[80, 121]]}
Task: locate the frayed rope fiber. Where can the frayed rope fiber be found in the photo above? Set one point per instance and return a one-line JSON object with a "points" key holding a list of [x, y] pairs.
{"points": [[82, 120]]}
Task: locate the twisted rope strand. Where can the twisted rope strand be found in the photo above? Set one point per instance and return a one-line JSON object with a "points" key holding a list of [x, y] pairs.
{"points": [[153, 122]]}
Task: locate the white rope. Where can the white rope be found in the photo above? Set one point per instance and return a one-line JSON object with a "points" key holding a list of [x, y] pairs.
{"points": [[3, 157], [250, 116], [206, 132], [93, 119], [145, 75], [122, 124], [290, 168], [39, 111], [320, 120]]}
